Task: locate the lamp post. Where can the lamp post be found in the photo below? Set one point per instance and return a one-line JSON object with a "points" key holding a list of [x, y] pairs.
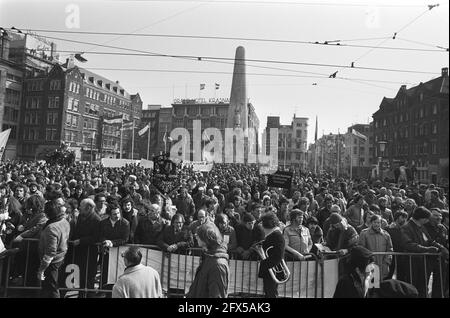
{"points": [[382, 148]]}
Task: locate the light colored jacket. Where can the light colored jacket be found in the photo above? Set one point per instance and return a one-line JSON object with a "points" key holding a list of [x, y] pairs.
{"points": [[378, 242], [138, 281]]}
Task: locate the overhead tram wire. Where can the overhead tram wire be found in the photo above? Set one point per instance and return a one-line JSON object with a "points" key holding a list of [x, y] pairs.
{"points": [[430, 7], [228, 73], [212, 58], [332, 43]]}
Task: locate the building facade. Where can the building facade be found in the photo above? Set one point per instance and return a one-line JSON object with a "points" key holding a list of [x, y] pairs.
{"points": [[211, 114], [292, 141], [68, 104], [413, 126], [20, 55]]}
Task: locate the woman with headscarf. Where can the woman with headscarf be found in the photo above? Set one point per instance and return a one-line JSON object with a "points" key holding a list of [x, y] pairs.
{"points": [[212, 275]]}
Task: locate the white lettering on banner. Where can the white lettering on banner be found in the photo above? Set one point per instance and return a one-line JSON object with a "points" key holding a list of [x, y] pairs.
{"points": [[117, 163], [305, 281], [202, 101], [199, 166], [73, 279]]}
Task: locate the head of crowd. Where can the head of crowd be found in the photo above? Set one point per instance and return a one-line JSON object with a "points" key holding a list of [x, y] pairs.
{"points": [[234, 197]]}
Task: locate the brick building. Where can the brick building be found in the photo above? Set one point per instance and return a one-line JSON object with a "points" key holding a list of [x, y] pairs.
{"points": [[414, 125], [68, 104]]}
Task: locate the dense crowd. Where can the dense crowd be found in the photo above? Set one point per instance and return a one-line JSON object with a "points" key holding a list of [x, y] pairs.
{"points": [[318, 214]]}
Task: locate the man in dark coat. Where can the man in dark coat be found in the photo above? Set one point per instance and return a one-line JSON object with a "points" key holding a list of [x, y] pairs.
{"points": [[275, 255], [352, 284], [416, 239], [114, 231], [85, 236], [176, 237], [151, 226]]}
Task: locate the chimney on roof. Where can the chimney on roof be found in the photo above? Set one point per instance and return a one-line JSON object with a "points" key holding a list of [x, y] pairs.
{"points": [[403, 88], [117, 82], [444, 71]]}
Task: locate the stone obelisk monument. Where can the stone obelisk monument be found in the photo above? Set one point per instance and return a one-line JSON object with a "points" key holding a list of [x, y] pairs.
{"points": [[238, 110]]}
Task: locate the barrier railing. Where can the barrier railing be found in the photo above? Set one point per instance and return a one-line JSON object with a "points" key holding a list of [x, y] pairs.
{"points": [[313, 278]]}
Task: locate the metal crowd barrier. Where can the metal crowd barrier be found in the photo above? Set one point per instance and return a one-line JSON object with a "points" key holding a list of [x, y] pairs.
{"points": [[177, 271]]}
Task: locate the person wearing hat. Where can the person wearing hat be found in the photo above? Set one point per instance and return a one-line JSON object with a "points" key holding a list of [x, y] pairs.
{"points": [[341, 237], [297, 237], [325, 212], [34, 189], [354, 284], [416, 239]]}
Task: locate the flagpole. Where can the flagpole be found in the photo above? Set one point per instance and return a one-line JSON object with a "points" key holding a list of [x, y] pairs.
{"points": [[132, 142], [351, 155], [148, 144], [321, 145], [92, 145], [337, 154], [121, 135], [285, 151]]}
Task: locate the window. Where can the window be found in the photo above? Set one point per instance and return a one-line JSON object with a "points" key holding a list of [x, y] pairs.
{"points": [[52, 118], [435, 109], [74, 121], [421, 113], [53, 102], [384, 122], [205, 111], [50, 134], [355, 150], [12, 97], [433, 148], [434, 128], [55, 85], [68, 119]]}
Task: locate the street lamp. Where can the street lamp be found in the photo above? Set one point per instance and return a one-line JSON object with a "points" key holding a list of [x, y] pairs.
{"points": [[382, 148]]}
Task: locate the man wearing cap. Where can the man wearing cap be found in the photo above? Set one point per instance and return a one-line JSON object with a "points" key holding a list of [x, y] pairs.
{"points": [[185, 205], [297, 237], [341, 236], [334, 209], [416, 239]]}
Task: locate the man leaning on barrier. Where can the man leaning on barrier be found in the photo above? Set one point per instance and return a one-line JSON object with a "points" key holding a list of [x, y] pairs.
{"points": [[52, 249], [416, 239]]}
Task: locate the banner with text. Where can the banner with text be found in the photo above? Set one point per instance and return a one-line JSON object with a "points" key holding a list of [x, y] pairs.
{"points": [[178, 271], [280, 179]]}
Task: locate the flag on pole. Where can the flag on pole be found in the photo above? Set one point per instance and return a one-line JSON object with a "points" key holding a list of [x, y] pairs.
{"points": [[358, 134], [144, 130], [127, 125], [202, 86], [113, 120], [4, 136], [217, 86]]}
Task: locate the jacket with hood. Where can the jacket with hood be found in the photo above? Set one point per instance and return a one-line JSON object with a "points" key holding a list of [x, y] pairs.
{"points": [[212, 276]]}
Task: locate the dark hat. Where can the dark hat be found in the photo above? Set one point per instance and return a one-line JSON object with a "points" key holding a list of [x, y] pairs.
{"points": [[360, 256], [294, 213], [393, 288], [312, 220], [335, 218], [248, 217]]}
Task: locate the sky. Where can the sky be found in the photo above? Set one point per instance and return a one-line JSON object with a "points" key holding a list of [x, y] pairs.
{"points": [[275, 89]]}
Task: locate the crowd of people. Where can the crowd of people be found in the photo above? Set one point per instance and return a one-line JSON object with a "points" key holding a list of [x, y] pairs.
{"points": [[107, 207]]}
